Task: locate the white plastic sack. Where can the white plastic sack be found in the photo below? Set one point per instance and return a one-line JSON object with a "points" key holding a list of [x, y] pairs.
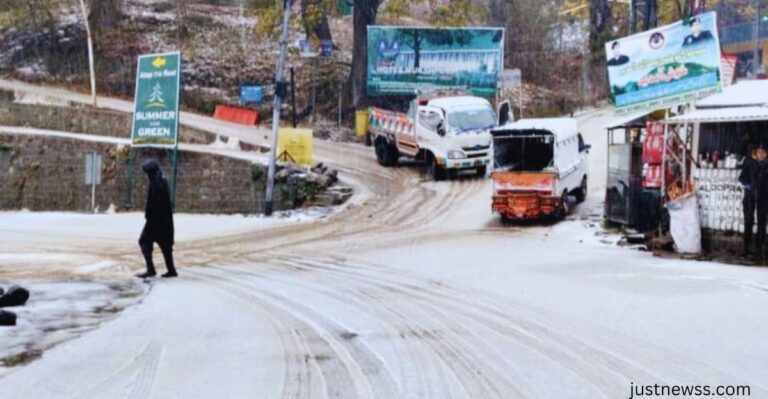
{"points": [[684, 224]]}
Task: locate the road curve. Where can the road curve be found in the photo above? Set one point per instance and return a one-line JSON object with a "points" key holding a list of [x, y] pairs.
{"points": [[413, 291]]}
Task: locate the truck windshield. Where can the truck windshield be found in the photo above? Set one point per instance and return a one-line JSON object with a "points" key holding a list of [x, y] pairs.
{"points": [[462, 121], [523, 150]]}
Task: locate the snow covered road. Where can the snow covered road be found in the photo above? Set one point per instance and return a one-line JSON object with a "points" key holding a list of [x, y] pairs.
{"points": [[416, 290]]}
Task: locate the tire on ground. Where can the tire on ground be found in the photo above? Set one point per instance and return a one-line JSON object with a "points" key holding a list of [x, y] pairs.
{"points": [[7, 318], [15, 296]]}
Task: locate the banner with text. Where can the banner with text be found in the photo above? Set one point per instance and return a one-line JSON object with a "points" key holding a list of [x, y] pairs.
{"points": [[403, 59], [156, 104], [664, 67]]}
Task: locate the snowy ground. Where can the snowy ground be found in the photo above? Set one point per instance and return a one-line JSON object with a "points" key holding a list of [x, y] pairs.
{"points": [[415, 290]]}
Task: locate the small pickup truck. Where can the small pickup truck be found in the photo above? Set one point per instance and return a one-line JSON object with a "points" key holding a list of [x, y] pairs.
{"points": [[539, 164], [451, 132]]}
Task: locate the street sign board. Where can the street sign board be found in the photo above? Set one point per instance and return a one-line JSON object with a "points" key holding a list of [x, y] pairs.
{"points": [[92, 168], [295, 145], [251, 93], [156, 103], [510, 78], [665, 66]]}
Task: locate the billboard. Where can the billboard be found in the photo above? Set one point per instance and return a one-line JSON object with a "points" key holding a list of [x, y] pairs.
{"points": [[156, 104], [403, 59], [664, 67]]}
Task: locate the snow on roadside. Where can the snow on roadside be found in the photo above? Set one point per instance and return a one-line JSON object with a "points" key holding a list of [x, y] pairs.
{"points": [[59, 311]]}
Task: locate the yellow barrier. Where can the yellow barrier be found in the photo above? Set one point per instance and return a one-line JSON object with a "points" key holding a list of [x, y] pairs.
{"points": [[361, 123]]}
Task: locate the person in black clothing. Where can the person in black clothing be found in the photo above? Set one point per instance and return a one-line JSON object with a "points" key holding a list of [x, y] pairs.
{"points": [[754, 179], [159, 221], [697, 35], [618, 58]]}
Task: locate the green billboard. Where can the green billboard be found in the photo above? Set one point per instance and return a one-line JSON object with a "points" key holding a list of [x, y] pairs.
{"points": [[156, 104], [403, 59]]}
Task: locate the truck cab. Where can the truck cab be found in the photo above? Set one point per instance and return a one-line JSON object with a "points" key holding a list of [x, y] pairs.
{"points": [[539, 165], [450, 132]]}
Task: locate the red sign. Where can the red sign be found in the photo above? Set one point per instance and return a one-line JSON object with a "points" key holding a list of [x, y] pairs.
{"points": [[728, 68], [653, 146]]}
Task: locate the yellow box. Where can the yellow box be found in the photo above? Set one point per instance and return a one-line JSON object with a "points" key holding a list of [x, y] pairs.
{"points": [[361, 123]]}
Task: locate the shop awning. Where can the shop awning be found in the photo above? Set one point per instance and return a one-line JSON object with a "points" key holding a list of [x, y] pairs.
{"points": [[745, 93], [621, 121], [720, 115]]}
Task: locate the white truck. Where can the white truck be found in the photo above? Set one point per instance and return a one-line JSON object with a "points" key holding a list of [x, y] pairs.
{"points": [[538, 165], [451, 132]]}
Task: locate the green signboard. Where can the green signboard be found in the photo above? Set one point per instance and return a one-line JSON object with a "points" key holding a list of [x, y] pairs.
{"points": [[404, 59], [156, 107]]}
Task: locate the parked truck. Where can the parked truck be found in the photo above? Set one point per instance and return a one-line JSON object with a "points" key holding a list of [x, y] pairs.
{"points": [[448, 130], [540, 168]]}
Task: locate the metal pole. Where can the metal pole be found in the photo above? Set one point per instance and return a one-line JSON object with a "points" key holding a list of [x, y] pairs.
{"points": [[664, 157], [90, 51], [340, 91], [314, 88], [293, 97], [279, 92], [93, 182], [632, 17], [756, 52]]}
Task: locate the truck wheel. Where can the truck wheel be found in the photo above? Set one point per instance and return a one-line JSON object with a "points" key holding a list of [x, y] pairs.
{"points": [[393, 155], [562, 210], [581, 193], [383, 152], [437, 172], [481, 171]]}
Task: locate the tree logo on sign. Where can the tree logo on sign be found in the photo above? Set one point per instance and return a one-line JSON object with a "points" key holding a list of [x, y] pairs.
{"points": [[156, 98]]}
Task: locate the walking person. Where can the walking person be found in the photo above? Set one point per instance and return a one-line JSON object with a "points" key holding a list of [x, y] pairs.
{"points": [[754, 179], [158, 227]]}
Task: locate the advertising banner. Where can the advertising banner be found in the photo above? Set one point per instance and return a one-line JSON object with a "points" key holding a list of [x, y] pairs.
{"points": [[156, 104], [403, 59], [296, 146], [664, 67]]}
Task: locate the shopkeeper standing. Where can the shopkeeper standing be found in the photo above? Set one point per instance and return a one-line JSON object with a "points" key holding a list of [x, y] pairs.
{"points": [[754, 178]]}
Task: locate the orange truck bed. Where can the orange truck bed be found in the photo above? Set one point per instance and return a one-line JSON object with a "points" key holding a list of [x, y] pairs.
{"points": [[524, 195]]}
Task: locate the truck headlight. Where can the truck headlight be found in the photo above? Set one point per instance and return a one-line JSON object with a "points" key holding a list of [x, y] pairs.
{"points": [[456, 154]]}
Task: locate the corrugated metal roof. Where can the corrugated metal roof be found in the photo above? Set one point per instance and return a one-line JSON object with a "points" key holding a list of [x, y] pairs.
{"points": [[742, 94], [719, 115]]}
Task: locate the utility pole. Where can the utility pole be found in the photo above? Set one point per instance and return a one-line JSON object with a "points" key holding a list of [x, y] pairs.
{"points": [[280, 92], [756, 52], [90, 51]]}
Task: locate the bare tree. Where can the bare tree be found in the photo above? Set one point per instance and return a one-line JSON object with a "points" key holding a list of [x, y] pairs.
{"points": [[364, 14]]}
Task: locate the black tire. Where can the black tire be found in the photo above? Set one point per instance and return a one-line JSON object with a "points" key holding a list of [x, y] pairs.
{"points": [[386, 154], [505, 220], [481, 171], [562, 210], [437, 172], [393, 155], [368, 140], [581, 192]]}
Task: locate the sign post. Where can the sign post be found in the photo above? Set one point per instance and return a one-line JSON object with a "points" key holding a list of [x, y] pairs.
{"points": [[156, 105], [93, 174], [511, 78]]}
